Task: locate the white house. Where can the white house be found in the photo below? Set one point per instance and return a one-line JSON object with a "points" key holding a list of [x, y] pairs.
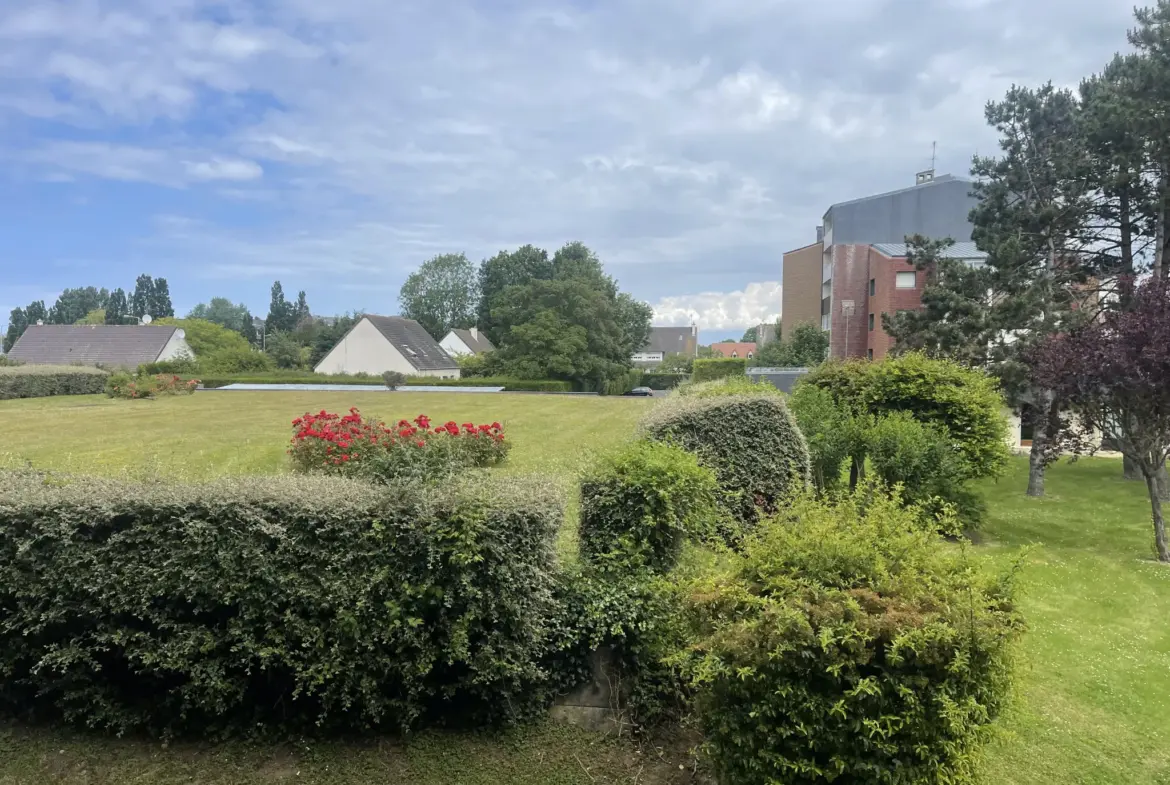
{"points": [[377, 344], [459, 343]]}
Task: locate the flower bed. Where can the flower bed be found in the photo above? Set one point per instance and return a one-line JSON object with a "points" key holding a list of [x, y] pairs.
{"points": [[123, 385], [355, 446]]}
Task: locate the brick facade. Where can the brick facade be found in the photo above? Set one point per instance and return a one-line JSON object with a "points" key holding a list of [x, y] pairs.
{"points": [[888, 298], [854, 266], [801, 293]]}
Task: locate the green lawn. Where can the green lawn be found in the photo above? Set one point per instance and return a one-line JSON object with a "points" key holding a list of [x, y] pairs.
{"points": [[1095, 690]]}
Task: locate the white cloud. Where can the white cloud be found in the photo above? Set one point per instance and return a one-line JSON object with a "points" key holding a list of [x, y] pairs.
{"points": [[218, 168], [754, 304]]}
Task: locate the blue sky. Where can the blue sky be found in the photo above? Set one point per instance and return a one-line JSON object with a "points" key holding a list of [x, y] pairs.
{"points": [[338, 144]]}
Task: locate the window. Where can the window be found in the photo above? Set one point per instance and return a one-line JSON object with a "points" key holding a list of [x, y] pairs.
{"points": [[905, 280], [869, 354], [872, 287], [750, 354], [871, 322], [734, 354]]}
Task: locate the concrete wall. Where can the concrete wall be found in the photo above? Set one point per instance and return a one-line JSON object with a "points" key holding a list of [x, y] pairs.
{"points": [[937, 209], [366, 350], [801, 293]]}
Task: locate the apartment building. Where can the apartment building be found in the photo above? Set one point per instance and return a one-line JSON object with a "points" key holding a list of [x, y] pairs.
{"points": [[857, 268]]}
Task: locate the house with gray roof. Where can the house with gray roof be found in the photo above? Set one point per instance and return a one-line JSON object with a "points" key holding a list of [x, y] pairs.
{"points": [[665, 341], [107, 345], [377, 344], [464, 342]]}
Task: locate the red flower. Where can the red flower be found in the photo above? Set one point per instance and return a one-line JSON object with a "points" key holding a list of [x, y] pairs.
{"points": [[422, 421], [420, 443]]}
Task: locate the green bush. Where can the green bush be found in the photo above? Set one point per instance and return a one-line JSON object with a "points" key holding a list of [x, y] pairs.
{"points": [[658, 380], [847, 644], [393, 379], [640, 505], [278, 604], [711, 368], [729, 385], [834, 436], [184, 366], [40, 381], [240, 359], [963, 401], [302, 377], [751, 442], [623, 384]]}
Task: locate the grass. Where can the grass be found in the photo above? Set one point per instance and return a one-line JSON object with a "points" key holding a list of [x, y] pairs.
{"points": [[1095, 688]]}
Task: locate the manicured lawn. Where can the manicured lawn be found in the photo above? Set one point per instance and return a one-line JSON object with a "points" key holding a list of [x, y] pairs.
{"points": [[1095, 690]]}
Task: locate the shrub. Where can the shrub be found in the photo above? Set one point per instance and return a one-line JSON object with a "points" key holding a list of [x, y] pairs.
{"points": [[638, 506], [238, 359], [184, 366], [623, 384], [394, 379], [729, 385], [849, 645], [123, 385], [711, 368], [833, 434], [353, 446], [274, 604], [751, 442], [659, 380], [39, 381], [963, 401]]}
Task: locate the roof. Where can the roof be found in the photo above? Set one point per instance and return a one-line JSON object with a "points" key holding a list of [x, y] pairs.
{"points": [[669, 340], [957, 251], [416, 345], [801, 248], [122, 346], [939, 180], [741, 349], [477, 342]]}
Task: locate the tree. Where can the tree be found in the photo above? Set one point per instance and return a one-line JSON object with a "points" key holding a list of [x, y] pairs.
{"points": [[96, 316], [160, 300], [282, 315], [118, 308], [327, 336], [677, 363], [1115, 375], [807, 347], [301, 312], [516, 268], [17, 323], [143, 296], [750, 335], [284, 349], [441, 294], [73, 304], [222, 311], [208, 338], [248, 329]]}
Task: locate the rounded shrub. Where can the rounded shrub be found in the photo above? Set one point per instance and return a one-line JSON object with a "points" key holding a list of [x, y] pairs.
{"points": [[848, 644], [639, 506], [751, 442]]}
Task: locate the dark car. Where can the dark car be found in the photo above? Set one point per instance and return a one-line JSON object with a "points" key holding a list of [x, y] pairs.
{"points": [[641, 392]]}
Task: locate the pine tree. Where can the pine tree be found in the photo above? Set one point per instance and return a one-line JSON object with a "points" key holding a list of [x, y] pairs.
{"points": [[117, 309], [160, 300], [143, 297]]}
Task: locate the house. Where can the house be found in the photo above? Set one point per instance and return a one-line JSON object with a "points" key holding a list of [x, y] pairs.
{"points": [[458, 343], [108, 345], [734, 349], [666, 341], [377, 344]]}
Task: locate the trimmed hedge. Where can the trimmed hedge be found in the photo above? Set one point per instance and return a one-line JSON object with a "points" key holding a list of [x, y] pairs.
{"points": [[639, 506], [729, 385], [274, 604], [39, 381], [848, 644], [711, 368], [624, 383], [656, 380], [750, 441], [514, 385]]}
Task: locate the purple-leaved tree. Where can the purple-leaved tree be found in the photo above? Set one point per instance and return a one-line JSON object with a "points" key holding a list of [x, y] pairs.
{"points": [[1114, 374]]}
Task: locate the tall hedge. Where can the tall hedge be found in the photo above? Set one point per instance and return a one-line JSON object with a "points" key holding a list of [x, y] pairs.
{"points": [[751, 442], [710, 368], [39, 381], [966, 403], [274, 603]]}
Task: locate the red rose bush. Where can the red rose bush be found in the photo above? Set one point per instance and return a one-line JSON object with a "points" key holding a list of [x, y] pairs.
{"points": [[355, 446]]}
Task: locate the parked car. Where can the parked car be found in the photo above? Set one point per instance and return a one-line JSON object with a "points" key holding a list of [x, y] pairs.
{"points": [[642, 392]]}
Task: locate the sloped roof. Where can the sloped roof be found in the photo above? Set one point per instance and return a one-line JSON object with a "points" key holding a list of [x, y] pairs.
{"points": [[477, 344], [739, 348], [670, 340], [416, 345], [966, 250], [122, 346]]}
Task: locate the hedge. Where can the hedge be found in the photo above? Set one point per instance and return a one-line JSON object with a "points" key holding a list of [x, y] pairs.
{"points": [[711, 368], [273, 604], [848, 644], [514, 385], [39, 381], [750, 441], [663, 381], [624, 383]]}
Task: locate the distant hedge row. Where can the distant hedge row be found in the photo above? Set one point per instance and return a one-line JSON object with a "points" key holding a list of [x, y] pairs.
{"points": [[516, 385], [290, 603], [39, 381]]}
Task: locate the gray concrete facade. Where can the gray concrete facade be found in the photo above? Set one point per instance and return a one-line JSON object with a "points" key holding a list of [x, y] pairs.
{"points": [[936, 209]]}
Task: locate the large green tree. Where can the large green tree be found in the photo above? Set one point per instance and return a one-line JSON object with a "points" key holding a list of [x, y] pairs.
{"points": [[506, 269], [441, 294], [117, 308], [72, 305], [160, 306], [222, 311], [282, 315], [142, 297]]}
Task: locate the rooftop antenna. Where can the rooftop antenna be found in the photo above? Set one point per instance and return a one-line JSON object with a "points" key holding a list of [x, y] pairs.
{"points": [[147, 318], [933, 154]]}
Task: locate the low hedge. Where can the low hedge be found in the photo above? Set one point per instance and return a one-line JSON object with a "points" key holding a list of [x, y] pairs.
{"points": [[711, 368], [750, 441], [274, 604], [514, 385], [663, 381], [39, 381]]}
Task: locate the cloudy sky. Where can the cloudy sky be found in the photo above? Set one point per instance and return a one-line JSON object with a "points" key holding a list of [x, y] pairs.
{"points": [[337, 144]]}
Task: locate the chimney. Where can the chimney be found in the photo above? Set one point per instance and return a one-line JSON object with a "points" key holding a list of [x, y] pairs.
{"points": [[820, 234], [474, 332], [924, 177]]}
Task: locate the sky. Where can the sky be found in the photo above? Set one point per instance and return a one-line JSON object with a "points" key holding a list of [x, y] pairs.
{"points": [[336, 145]]}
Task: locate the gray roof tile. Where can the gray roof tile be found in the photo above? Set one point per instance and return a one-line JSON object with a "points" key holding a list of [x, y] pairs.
{"points": [[121, 346], [670, 340], [478, 345], [416, 345]]}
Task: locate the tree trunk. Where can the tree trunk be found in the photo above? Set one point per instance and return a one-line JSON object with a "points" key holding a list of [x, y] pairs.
{"points": [[1162, 477], [1130, 469], [1036, 467], [1152, 484], [1038, 457]]}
